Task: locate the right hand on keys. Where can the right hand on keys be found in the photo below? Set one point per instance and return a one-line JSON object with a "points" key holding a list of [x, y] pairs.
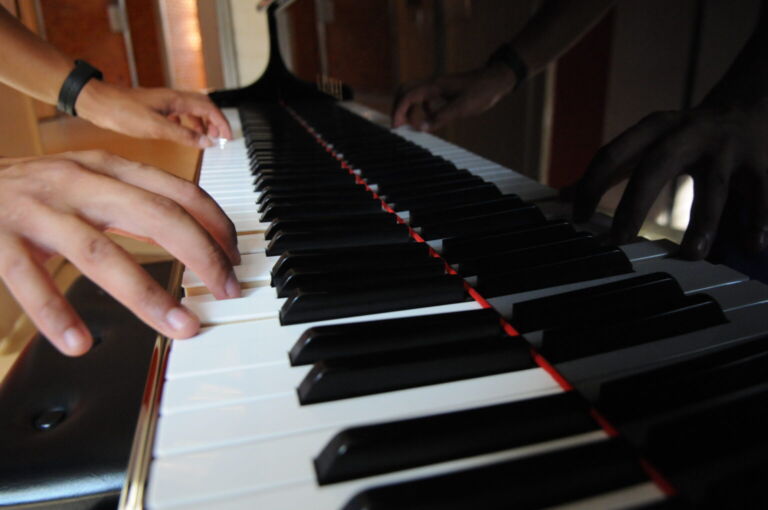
{"points": [[63, 204]]}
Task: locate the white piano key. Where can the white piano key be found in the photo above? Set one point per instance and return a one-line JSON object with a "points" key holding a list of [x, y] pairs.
{"points": [[281, 414], [251, 243], [253, 343], [199, 477], [254, 267], [260, 303]]}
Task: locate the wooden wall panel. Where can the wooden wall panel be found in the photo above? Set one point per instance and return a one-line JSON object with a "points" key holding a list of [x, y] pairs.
{"points": [[80, 28], [143, 19]]}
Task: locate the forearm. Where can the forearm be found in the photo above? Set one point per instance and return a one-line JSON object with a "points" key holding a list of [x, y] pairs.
{"points": [[28, 63], [555, 27]]}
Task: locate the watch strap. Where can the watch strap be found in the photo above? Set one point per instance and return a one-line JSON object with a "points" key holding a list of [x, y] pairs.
{"points": [[76, 80]]}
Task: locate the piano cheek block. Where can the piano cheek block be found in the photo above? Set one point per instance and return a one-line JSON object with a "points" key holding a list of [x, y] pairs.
{"points": [[317, 306]]}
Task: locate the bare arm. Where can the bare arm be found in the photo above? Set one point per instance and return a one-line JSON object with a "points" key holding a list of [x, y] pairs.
{"points": [[36, 68], [553, 29]]}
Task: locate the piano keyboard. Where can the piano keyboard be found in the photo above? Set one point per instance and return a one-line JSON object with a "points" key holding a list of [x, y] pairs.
{"points": [[362, 369]]}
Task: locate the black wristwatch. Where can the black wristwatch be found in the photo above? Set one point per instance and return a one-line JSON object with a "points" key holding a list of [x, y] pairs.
{"points": [[507, 55], [70, 89]]}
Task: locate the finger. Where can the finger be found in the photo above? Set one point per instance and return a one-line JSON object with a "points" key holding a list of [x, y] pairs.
{"points": [[110, 267], [201, 106], [161, 127], [157, 217], [710, 192], [614, 162], [664, 161], [191, 197], [404, 108], [34, 290], [197, 124]]}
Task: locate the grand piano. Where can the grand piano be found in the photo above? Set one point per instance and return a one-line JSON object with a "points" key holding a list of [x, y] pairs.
{"points": [[422, 328]]}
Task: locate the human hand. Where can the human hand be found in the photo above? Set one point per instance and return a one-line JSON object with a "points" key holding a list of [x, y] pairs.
{"points": [[153, 113], [430, 105], [64, 203], [721, 148]]}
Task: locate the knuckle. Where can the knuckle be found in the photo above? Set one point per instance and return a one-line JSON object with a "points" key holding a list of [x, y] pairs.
{"points": [[97, 249], [164, 207], [191, 193]]}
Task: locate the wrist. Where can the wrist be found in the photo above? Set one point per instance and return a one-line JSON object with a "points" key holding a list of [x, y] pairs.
{"points": [[82, 74], [507, 57], [504, 77], [92, 99]]}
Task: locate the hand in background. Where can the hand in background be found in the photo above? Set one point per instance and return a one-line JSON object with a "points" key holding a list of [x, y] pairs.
{"points": [[64, 203], [153, 113], [430, 105], [721, 148]]}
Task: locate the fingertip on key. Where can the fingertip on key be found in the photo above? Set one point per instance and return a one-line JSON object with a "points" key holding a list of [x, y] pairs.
{"points": [[183, 322]]}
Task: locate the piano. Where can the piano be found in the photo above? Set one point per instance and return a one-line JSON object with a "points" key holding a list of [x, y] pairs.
{"points": [[421, 328]]}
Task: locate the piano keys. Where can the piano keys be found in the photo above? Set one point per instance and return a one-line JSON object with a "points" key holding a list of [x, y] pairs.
{"points": [[398, 385]]}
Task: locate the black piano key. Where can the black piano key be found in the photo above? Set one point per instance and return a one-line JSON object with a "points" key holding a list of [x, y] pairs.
{"points": [[419, 184], [394, 446], [361, 235], [372, 220], [691, 313], [344, 258], [313, 170], [532, 482], [582, 243], [429, 215], [308, 189], [303, 281], [431, 187], [322, 208], [316, 306], [473, 193], [717, 431], [301, 198], [605, 262], [286, 181], [680, 384], [410, 174], [367, 375], [523, 216], [373, 337], [561, 309], [474, 246]]}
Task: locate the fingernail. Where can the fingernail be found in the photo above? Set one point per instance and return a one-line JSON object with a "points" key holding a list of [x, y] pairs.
{"points": [[75, 339], [204, 142], [179, 318], [232, 287]]}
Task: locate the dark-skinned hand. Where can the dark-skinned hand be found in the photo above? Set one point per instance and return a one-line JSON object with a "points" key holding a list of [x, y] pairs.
{"points": [[723, 149]]}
